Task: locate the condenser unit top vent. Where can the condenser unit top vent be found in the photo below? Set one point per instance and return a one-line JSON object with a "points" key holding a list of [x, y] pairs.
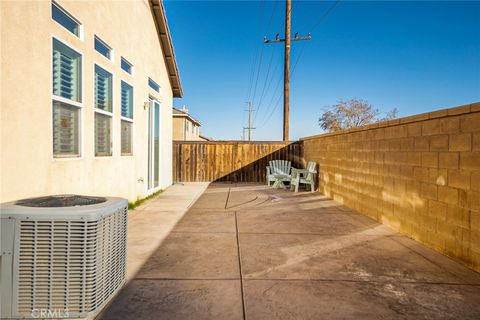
{"points": [[66, 200]]}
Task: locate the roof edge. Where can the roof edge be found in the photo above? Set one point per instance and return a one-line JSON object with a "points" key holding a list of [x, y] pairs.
{"points": [[183, 114], [167, 46]]}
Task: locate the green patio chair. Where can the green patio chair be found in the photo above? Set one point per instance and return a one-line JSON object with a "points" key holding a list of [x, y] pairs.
{"points": [[305, 176]]}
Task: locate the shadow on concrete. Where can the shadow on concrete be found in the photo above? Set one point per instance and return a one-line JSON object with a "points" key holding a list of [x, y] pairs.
{"points": [[249, 251]]}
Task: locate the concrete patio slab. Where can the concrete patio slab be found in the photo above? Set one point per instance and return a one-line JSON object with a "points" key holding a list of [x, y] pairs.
{"points": [[194, 256], [273, 221], [282, 255], [204, 220], [271, 299], [213, 200], [150, 223], [348, 257], [178, 299]]}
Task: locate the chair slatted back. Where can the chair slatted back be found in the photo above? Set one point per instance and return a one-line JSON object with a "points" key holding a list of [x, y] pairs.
{"points": [[311, 167], [280, 166]]}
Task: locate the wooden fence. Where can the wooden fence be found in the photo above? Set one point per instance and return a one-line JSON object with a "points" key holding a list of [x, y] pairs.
{"points": [[236, 161]]}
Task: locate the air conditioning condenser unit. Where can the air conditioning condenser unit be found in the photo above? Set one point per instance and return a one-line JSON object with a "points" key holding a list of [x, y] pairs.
{"points": [[61, 256]]}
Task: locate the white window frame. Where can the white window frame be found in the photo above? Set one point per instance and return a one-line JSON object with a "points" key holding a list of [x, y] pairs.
{"points": [[79, 105], [107, 113], [122, 118], [81, 33], [112, 52]]}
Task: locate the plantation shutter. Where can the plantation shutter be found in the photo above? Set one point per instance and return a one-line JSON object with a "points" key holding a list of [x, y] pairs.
{"points": [[127, 100], [102, 135], [65, 129], [103, 89], [66, 72], [126, 137]]}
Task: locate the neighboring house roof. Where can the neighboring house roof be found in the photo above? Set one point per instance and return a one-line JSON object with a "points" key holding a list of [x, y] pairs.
{"points": [[205, 138], [181, 113], [167, 47]]}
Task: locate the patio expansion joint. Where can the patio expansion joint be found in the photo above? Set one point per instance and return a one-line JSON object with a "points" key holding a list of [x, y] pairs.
{"points": [[184, 279], [366, 281], [228, 197], [204, 232], [315, 234], [240, 268]]}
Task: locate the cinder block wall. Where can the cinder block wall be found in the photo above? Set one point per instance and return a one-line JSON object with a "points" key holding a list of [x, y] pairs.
{"points": [[419, 174]]}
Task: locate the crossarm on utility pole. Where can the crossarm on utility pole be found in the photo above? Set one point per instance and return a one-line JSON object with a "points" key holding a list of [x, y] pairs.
{"points": [[286, 73]]}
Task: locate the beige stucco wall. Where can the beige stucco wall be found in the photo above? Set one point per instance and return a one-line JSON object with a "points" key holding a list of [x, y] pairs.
{"points": [[179, 132], [27, 164], [178, 128], [420, 175]]}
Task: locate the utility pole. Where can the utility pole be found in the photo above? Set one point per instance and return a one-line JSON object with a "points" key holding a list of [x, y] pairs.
{"points": [[286, 69], [286, 73], [249, 128]]}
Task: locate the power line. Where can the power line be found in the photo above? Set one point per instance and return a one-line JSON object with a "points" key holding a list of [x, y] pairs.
{"points": [[270, 104], [264, 84], [315, 26], [254, 62], [261, 53], [322, 18], [286, 74], [271, 113]]}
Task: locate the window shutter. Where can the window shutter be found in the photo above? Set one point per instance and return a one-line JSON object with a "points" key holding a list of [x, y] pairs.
{"points": [[66, 68], [102, 135], [65, 129], [126, 137], [103, 89]]}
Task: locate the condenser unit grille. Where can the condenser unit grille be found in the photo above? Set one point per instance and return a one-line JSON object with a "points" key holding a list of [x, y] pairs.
{"points": [[72, 265]]}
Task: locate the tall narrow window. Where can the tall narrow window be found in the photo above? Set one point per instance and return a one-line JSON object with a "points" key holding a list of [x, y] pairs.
{"points": [[126, 142], [66, 104], [103, 89], [65, 129], [127, 100], [103, 146], [103, 112], [65, 19], [126, 119], [66, 72]]}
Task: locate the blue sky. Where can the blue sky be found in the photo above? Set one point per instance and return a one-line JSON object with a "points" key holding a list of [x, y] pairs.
{"points": [[415, 56]]}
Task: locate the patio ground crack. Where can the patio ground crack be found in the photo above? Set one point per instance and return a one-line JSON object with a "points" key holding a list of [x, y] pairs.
{"points": [[228, 196], [240, 266]]}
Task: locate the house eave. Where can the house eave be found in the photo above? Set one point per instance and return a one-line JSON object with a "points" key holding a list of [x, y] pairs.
{"points": [[167, 47]]}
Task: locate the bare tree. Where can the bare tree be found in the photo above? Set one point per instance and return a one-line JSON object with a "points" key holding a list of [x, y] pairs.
{"points": [[351, 113]]}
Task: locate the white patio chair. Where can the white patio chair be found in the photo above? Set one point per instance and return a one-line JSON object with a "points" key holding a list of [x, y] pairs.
{"points": [[276, 168], [305, 176]]}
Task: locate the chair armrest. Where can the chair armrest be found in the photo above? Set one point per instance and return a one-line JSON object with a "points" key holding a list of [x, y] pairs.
{"points": [[295, 173], [268, 170]]}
